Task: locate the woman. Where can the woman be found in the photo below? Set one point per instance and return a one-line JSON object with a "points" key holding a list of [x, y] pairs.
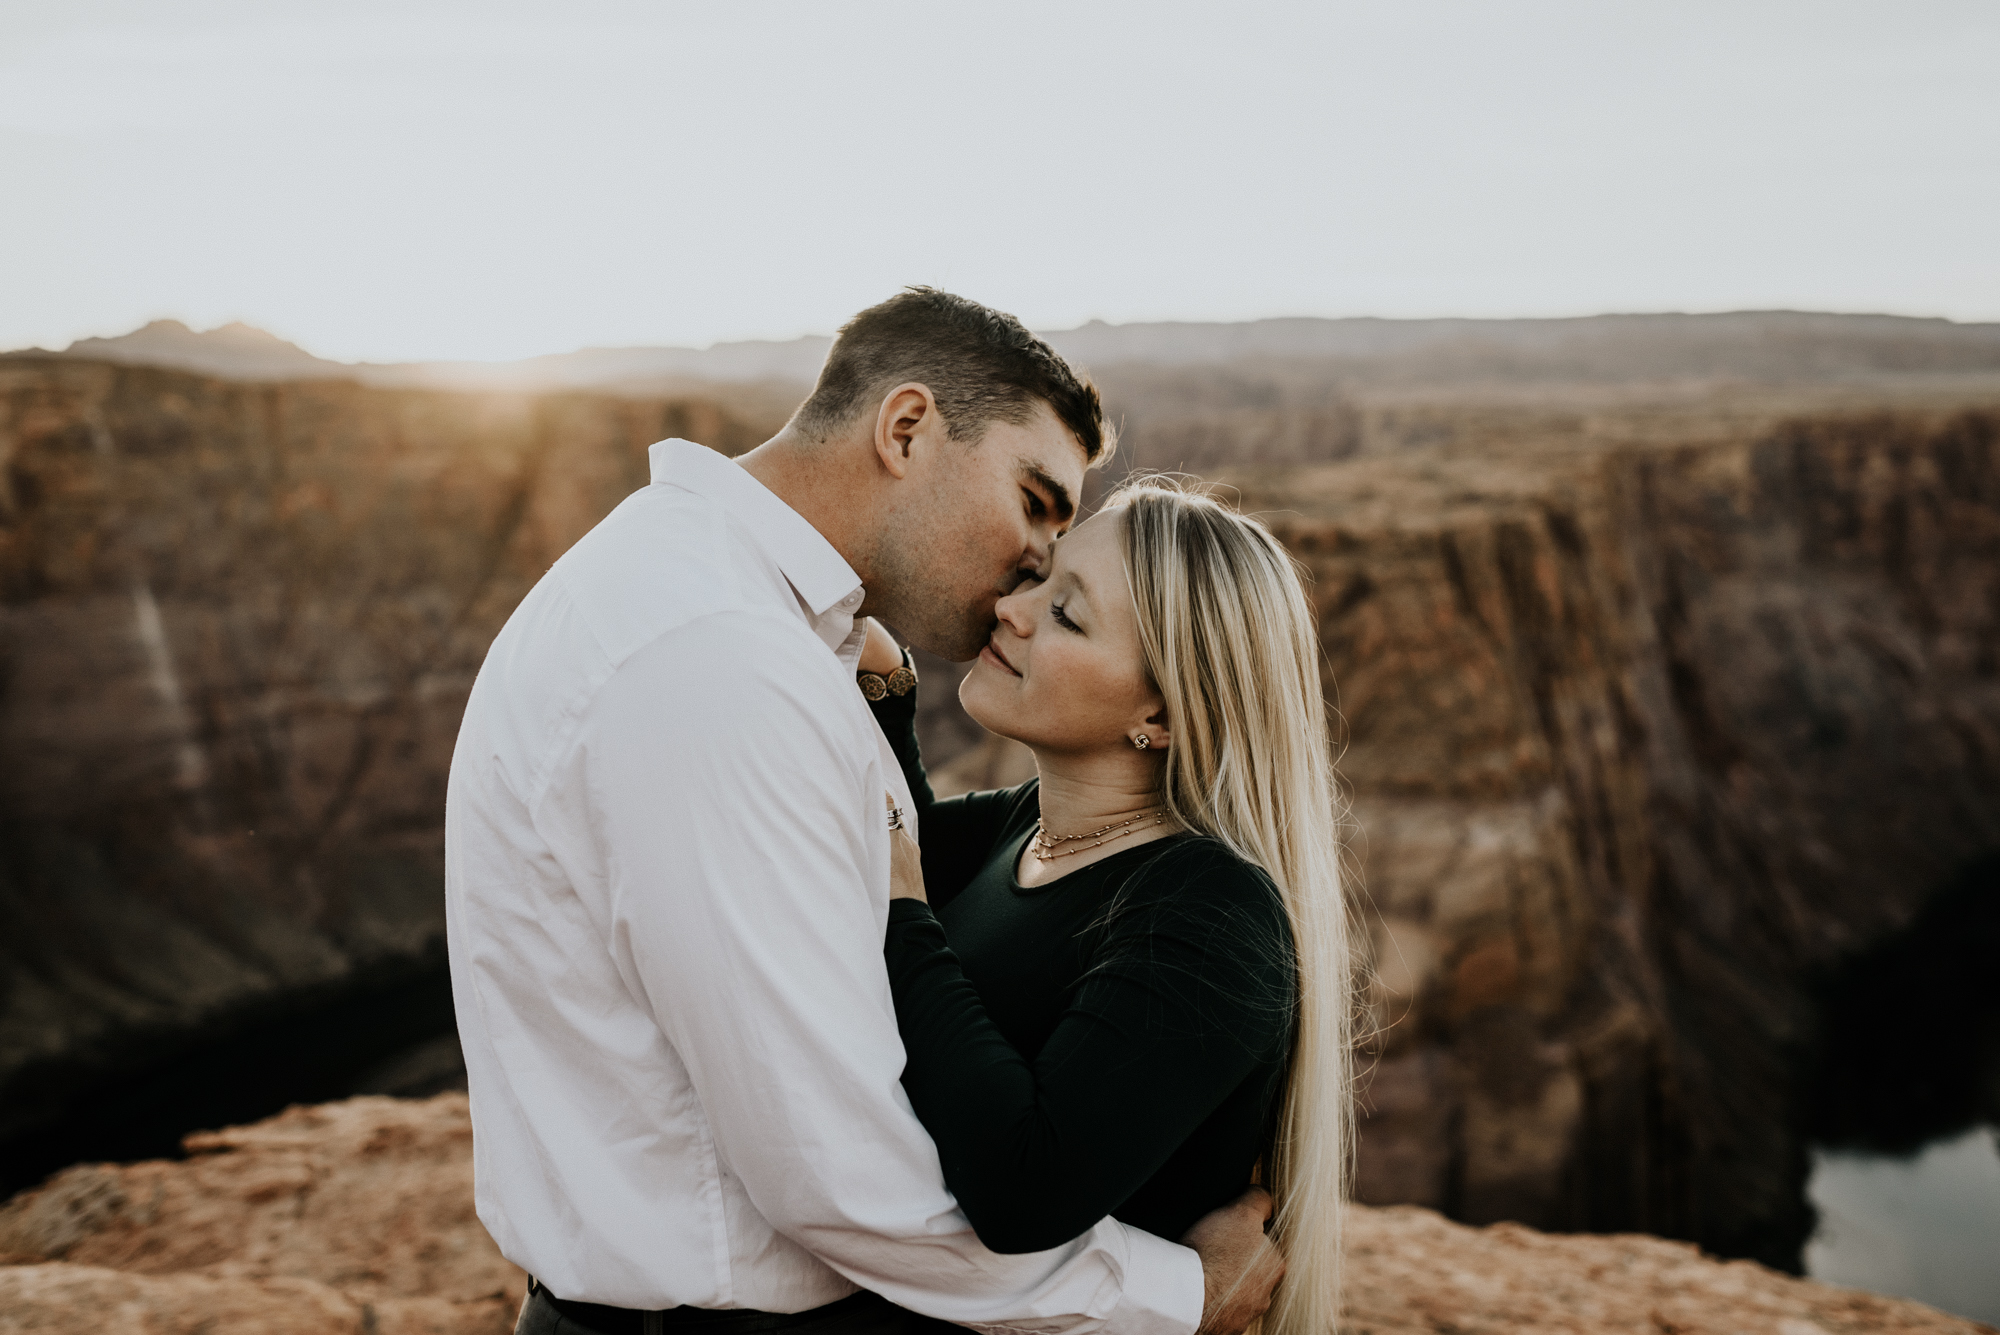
{"points": [[1124, 985]]}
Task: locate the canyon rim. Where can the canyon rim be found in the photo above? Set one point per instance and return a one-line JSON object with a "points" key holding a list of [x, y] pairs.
{"points": [[1658, 712]]}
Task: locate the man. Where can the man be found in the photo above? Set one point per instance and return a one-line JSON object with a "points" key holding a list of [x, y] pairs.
{"points": [[668, 875]]}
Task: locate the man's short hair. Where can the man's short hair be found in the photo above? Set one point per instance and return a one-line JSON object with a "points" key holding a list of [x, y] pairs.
{"points": [[981, 366]]}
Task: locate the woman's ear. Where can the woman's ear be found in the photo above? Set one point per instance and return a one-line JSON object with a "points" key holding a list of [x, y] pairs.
{"points": [[1158, 736]]}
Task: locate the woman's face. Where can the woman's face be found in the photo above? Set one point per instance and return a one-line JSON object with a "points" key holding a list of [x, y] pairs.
{"points": [[1064, 671]]}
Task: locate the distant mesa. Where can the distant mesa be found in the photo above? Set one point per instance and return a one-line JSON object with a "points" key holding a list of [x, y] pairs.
{"points": [[240, 351], [236, 351], [1285, 357]]}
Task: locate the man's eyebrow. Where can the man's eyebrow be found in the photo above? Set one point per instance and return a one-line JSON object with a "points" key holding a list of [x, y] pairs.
{"points": [[1058, 494]]}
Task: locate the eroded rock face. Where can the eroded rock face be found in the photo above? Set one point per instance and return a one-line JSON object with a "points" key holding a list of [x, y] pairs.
{"points": [[346, 1217], [1643, 739], [1654, 717], [1413, 1272], [358, 1216], [237, 627]]}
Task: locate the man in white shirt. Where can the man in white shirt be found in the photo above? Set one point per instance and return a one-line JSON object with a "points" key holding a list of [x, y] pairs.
{"points": [[668, 875]]}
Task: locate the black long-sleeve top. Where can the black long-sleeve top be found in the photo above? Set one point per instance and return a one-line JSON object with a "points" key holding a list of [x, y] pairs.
{"points": [[1110, 1043]]}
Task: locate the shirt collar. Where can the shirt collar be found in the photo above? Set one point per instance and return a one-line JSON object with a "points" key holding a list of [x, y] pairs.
{"points": [[818, 573]]}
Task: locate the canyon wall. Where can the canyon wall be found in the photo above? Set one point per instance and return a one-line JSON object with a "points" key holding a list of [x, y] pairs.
{"points": [[1654, 716], [238, 623], [1644, 740]]}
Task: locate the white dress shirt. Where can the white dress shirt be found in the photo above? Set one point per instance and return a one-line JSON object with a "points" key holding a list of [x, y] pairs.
{"points": [[667, 881]]}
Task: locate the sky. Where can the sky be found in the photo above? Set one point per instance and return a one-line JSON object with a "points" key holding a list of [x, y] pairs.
{"points": [[396, 181]]}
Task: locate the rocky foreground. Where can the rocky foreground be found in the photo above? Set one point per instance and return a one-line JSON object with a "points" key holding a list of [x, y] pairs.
{"points": [[357, 1217]]}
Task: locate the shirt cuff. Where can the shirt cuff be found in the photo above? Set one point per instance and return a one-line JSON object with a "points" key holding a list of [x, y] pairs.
{"points": [[1163, 1290]]}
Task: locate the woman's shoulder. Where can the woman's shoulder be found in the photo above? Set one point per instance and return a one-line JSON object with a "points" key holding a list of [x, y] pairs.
{"points": [[1202, 893], [1205, 855], [1197, 870]]}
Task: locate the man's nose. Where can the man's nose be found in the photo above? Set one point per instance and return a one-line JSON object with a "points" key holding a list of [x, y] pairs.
{"points": [[1039, 552], [1041, 546]]}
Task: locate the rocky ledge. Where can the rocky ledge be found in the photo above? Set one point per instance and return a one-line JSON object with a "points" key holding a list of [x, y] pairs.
{"points": [[357, 1217]]}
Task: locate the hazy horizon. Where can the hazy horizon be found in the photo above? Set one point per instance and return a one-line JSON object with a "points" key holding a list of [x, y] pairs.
{"points": [[392, 183], [254, 328]]}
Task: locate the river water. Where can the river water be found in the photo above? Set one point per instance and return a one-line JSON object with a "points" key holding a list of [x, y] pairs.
{"points": [[1924, 1227]]}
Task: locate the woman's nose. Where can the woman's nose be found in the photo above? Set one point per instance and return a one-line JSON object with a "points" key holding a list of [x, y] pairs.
{"points": [[1012, 609]]}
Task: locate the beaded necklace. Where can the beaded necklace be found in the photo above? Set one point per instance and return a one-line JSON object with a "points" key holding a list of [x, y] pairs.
{"points": [[1048, 847]]}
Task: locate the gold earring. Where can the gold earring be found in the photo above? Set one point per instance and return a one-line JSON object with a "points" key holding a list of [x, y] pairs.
{"points": [[1142, 741]]}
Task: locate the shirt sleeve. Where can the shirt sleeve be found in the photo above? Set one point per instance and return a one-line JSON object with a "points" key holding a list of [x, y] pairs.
{"points": [[1188, 993], [740, 816], [957, 833]]}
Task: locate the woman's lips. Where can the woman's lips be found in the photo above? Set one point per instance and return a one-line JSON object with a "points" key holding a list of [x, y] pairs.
{"points": [[990, 652]]}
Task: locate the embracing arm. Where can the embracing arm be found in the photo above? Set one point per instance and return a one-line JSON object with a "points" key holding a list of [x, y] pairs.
{"points": [[957, 832], [769, 986], [1188, 996]]}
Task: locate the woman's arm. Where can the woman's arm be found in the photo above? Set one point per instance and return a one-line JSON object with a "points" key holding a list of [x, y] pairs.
{"points": [[1188, 995], [957, 832]]}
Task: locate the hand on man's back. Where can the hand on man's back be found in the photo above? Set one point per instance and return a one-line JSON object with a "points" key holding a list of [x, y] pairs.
{"points": [[1239, 1266]]}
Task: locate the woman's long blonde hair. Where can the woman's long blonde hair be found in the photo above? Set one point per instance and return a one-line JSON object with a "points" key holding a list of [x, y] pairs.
{"points": [[1233, 646]]}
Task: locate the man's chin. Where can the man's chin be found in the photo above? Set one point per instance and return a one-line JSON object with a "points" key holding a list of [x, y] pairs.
{"points": [[954, 644]]}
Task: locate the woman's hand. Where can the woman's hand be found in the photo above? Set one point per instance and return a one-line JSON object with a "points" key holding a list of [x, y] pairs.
{"points": [[880, 653], [906, 867]]}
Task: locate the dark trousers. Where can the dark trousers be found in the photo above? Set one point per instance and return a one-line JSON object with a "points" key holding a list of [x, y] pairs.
{"points": [[861, 1313]]}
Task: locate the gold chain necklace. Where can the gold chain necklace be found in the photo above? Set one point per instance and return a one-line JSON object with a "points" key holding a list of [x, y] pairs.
{"points": [[1048, 847]]}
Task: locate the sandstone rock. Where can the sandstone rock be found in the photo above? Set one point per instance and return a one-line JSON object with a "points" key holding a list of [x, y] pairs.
{"points": [[1412, 1272], [1645, 737], [321, 1219], [357, 1217], [73, 1298], [237, 627], [1657, 711], [372, 1196]]}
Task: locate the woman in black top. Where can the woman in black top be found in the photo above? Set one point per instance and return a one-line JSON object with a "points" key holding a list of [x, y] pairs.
{"points": [[1123, 986]]}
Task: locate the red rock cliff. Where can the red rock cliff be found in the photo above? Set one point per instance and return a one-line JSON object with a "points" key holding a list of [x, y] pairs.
{"points": [[237, 627], [1653, 719], [1643, 739]]}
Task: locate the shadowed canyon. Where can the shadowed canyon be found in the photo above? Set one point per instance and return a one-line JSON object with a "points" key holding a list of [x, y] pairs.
{"points": [[1671, 716]]}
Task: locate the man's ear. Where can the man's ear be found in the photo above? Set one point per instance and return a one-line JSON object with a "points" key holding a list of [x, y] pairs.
{"points": [[908, 415]]}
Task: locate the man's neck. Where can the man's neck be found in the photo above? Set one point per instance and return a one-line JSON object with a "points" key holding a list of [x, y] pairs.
{"points": [[821, 482]]}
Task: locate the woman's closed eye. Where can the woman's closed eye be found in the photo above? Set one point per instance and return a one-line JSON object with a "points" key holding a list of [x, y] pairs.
{"points": [[1062, 618]]}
